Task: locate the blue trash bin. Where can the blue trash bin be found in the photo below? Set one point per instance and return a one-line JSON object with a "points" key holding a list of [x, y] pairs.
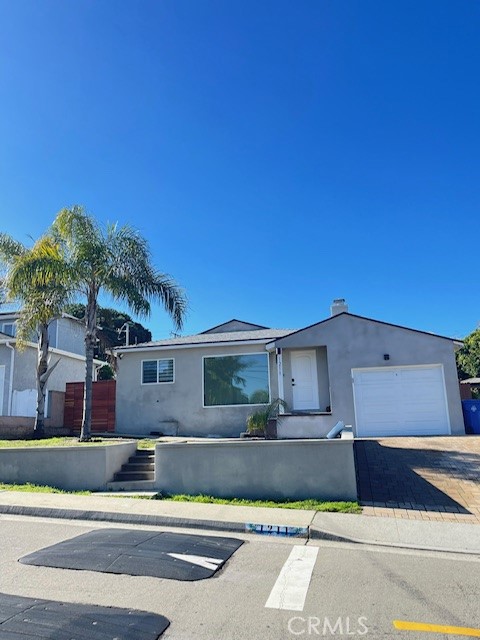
{"points": [[471, 415]]}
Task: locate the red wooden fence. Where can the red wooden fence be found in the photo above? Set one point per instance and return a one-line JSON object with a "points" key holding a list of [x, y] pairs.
{"points": [[103, 406]]}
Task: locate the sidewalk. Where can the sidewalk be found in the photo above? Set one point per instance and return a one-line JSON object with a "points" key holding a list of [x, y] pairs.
{"points": [[415, 534]]}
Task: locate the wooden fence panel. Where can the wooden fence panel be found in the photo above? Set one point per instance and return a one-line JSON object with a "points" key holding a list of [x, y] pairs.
{"points": [[103, 406]]}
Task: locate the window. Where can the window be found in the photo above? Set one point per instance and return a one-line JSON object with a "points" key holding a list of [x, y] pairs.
{"points": [[157, 371], [10, 329], [232, 380]]}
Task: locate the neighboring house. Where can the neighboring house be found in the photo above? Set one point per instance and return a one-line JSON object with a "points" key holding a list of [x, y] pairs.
{"points": [[381, 378], [18, 387]]}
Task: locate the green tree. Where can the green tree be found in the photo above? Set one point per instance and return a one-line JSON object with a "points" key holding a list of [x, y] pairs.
{"points": [[468, 357], [116, 261], [42, 300]]}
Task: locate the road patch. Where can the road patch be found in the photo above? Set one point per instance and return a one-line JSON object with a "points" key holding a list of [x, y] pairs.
{"points": [[173, 556], [35, 619]]}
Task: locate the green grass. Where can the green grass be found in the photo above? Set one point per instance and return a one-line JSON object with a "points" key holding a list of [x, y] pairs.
{"points": [[314, 505], [35, 488], [56, 442], [146, 443]]}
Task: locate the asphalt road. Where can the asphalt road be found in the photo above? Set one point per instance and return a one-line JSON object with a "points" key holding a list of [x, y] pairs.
{"points": [[327, 589]]}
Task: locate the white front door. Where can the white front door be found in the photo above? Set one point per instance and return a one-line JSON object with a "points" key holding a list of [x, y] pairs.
{"points": [[304, 380], [2, 387]]}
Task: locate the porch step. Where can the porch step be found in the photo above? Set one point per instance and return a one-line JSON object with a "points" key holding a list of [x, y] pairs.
{"points": [[139, 468], [134, 486], [134, 475]]}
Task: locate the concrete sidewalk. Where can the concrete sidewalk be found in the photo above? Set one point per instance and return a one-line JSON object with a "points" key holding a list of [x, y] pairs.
{"points": [[415, 534]]}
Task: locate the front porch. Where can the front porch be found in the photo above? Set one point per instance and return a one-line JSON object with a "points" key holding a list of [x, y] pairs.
{"points": [[304, 384]]}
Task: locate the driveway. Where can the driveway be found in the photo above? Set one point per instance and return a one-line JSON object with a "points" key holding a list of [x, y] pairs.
{"points": [[435, 478]]}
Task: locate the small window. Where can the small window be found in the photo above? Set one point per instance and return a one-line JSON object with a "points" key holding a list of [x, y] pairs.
{"points": [[10, 329], [157, 371]]}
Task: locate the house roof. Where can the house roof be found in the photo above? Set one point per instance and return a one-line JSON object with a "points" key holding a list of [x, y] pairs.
{"points": [[199, 339], [242, 326], [475, 381], [388, 324]]}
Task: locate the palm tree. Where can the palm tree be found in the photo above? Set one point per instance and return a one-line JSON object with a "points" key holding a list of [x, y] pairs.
{"points": [[116, 261], [42, 300]]}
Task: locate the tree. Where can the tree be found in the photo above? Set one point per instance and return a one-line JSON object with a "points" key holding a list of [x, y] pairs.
{"points": [[42, 300], [116, 261], [110, 323], [468, 357]]}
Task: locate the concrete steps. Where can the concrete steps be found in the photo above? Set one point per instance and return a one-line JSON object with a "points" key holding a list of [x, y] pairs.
{"points": [[139, 468]]}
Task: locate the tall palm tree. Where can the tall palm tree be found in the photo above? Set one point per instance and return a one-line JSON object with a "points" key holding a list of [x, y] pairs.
{"points": [[116, 261], [42, 300]]}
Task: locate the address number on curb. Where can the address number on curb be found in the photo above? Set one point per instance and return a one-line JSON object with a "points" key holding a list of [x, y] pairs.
{"points": [[276, 530]]}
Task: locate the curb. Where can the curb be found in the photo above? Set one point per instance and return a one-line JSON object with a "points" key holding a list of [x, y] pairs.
{"points": [[130, 518], [319, 534], [310, 532]]}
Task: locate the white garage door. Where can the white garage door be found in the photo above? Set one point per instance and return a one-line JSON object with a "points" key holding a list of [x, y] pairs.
{"points": [[397, 401]]}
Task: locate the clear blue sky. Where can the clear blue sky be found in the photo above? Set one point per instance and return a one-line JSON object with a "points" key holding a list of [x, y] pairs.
{"points": [[277, 154]]}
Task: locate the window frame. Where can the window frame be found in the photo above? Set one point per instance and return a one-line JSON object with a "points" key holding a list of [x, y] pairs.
{"points": [[12, 324], [226, 355], [157, 360]]}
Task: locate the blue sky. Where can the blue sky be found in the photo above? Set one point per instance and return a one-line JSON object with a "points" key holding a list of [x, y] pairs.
{"points": [[276, 154]]}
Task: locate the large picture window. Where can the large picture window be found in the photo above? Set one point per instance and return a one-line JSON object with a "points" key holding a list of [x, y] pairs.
{"points": [[232, 380], [157, 371]]}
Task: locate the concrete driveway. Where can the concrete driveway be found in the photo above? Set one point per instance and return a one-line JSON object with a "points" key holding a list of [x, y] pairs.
{"points": [[435, 478]]}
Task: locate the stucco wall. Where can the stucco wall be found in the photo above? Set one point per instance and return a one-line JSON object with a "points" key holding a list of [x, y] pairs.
{"points": [[71, 336], [24, 377], [293, 469], [356, 342], [85, 467], [141, 409]]}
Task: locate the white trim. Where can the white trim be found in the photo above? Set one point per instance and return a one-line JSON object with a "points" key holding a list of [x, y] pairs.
{"points": [[226, 355], [157, 360], [56, 334], [193, 345], [410, 366], [60, 352], [3, 370]]}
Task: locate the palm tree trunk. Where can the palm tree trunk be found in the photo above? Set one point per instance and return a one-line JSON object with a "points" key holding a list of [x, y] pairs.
{"points": [[90, 339], [42, 369]]}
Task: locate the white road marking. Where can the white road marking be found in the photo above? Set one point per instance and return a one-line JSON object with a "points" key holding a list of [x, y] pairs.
{"points": [[290, 590], [201, 561]]}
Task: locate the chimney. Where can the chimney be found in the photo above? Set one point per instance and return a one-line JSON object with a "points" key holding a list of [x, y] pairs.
{"points": [[338, 306]]}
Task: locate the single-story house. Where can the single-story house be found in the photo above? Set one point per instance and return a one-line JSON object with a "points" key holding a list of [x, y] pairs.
{"points": [[18, 382], [381, 378]]}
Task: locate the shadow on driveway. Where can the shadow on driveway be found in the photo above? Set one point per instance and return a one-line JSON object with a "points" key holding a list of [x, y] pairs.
{"points": [[418, 474]]}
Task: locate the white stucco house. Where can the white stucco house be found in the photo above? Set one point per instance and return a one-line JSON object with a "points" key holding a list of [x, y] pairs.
{"points": [[381, 378], [18, 392]]}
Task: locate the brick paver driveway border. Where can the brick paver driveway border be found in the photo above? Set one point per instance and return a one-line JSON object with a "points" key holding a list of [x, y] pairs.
{"points": [[428, 478]]}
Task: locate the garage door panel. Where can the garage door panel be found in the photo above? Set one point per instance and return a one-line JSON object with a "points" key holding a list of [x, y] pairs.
{"points": [[400, 401]]}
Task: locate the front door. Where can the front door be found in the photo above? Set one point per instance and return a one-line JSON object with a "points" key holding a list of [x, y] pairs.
{"points": [[304, 380]]}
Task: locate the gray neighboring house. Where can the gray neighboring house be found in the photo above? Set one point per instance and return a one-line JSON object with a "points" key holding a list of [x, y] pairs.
{"points": [[381, 378], [18, 391]]}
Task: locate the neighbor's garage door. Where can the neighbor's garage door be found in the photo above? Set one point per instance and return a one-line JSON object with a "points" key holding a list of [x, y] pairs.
{"points": [[396, 401]]}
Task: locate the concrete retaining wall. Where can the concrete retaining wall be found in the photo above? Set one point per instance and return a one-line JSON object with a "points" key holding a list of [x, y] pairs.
{"points": [[291, 469], [72, 468]]}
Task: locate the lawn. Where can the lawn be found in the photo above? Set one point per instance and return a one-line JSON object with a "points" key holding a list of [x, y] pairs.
{"points": [[35, 488], [314, 505], [70, 442]]}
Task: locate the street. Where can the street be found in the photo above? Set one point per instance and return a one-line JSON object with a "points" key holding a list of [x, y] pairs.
{"points": [[354, 590]]}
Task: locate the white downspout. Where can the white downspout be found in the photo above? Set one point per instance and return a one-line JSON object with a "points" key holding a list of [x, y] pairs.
{"points": [[12, 365]]}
